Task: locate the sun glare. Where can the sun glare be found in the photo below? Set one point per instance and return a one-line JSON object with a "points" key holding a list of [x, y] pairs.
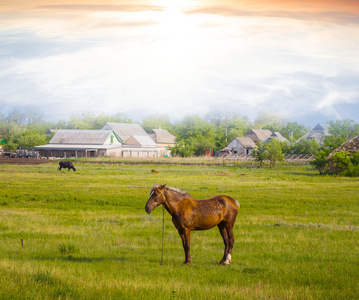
{"points": [[173, 19], [175, 5]]}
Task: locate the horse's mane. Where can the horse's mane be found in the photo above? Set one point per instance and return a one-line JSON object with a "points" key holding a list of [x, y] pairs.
{"points": [[182, 193]]}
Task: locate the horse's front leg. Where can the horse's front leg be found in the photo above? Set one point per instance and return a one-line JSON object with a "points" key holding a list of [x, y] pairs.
{"points": [[186, 236]]}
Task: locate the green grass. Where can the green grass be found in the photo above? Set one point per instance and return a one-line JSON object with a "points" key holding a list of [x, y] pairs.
{"points": [[85, 234]]}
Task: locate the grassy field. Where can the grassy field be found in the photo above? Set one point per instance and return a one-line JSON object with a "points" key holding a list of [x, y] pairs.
{"points": [[85, 234]]}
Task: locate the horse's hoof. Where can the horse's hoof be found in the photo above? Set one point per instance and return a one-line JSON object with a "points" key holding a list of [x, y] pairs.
{"points": [[226, 261], [186, 262]]}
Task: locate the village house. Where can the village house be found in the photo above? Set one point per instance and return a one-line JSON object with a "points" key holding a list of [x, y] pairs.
{"points": [[258, 134], [240, 146], [114, 139], [164, 140], [318, 133], [277, 136]]}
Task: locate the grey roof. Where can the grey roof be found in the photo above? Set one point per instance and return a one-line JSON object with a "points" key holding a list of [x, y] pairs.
{"points": [[318, 133], [278, 136], [322, 127], [162, 136], [262, 134], [80, 137], [74, 147], [140, 140], [246, 142], [125, 130]]}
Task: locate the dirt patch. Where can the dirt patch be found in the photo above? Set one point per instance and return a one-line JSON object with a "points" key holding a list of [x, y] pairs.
{"points": [[223, 173], [24, 161]]}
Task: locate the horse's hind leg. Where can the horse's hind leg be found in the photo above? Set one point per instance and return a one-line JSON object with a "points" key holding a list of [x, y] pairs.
{"points": [[224, 234], [231, 243]]}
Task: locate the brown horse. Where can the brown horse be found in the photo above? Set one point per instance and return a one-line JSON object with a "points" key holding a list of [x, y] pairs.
{"points": [[191, 214]]}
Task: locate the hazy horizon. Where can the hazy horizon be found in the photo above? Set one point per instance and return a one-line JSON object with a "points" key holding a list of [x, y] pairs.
{"points": [[145, 57]]}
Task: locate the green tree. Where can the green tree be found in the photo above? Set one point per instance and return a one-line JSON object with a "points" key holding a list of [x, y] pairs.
{"points": [[340, 131], [259, 154], [293, 131], [320, 162], [227, 126], [90, 121], [194, 134], [9, 132], [304, 146], [274, 152], [30, 139], [270, 120], [182, 149], [157, 121], [341, 161]]}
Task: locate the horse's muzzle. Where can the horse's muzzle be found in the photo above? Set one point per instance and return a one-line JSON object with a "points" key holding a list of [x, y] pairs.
{"points": [[148, 209]]}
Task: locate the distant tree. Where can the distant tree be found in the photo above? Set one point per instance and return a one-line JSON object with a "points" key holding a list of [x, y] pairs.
{"points": [[80, 122], [270, 120], [27, 115], [157, 121], [193, 126], [182, 149], [304, 146], [274, 152], [9, 132], [340, 132], [193, 134], [259, 154], [238, 126], [90, 121], [120, 118], [30, 139], [293, 131], [227, 126], [320, 162]]}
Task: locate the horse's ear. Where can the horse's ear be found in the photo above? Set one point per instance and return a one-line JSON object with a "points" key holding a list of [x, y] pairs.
{"points": [[163, 186]]}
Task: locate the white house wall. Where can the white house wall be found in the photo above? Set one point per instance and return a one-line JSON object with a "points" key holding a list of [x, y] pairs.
{"points": [[134, 152]]}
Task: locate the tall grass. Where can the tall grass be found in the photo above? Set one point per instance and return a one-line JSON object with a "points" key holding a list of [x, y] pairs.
{"points": [[85, 234]]}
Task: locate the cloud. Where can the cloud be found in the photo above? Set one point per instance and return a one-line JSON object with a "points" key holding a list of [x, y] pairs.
{"points": [[102, 7], [137, 60], [332, 11]]}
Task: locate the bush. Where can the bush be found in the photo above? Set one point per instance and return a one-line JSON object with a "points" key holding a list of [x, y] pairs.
{"points": [[346, 164], [320, 162], [341, 161]]}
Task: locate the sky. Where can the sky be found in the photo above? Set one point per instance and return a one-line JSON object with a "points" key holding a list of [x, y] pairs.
{"points": [[298, 58]]}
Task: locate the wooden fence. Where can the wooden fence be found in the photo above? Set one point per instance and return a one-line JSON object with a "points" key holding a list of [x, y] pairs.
{"points": [[238, 159]]}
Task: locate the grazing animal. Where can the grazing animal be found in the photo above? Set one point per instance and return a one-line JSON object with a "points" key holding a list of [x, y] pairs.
{"points": [[66, 164], [191, 214], [154, 171]]}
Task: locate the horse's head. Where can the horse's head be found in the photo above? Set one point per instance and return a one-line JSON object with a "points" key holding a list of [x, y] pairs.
{"points": [[157, 197]]}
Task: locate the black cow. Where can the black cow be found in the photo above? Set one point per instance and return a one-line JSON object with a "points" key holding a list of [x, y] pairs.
{"points": [[66, 164]]}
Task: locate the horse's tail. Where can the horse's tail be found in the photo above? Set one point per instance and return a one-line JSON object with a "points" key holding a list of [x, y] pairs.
{"points": [[237, 203]]}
